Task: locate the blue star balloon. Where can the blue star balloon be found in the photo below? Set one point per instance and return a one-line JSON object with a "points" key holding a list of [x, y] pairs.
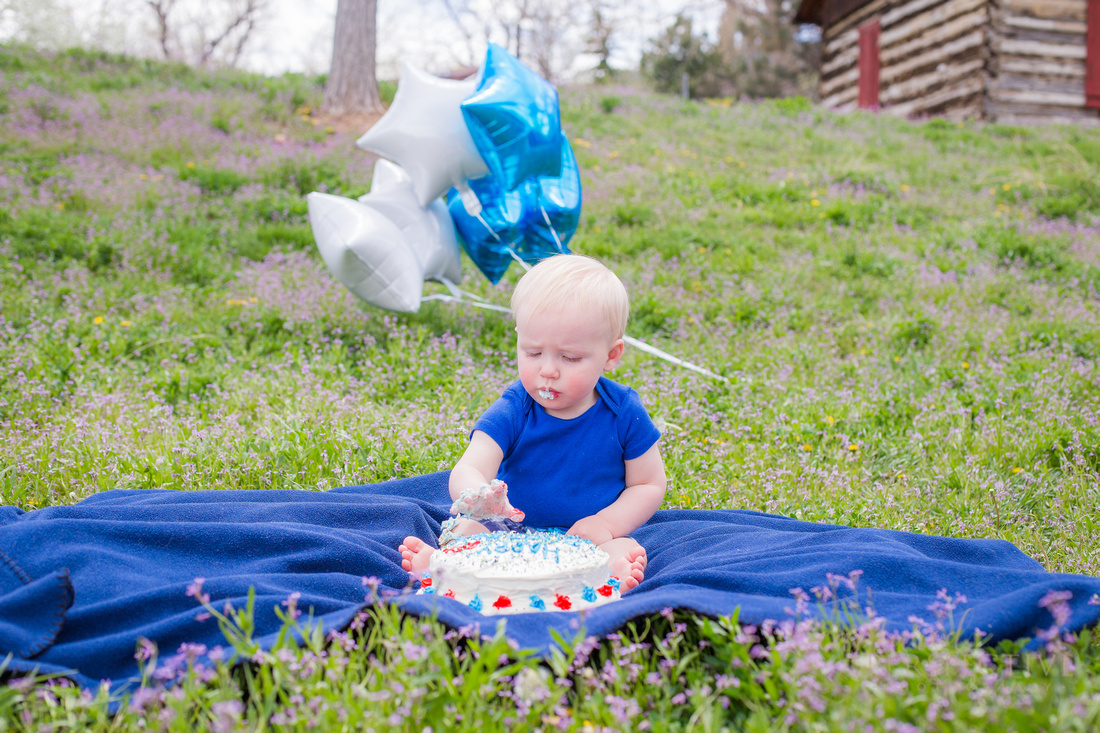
{"points": [[534, 221], [514, 120], [490, 236], [554, 210]]}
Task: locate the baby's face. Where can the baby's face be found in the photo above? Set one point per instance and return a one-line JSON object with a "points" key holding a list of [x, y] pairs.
{"points": [[561, 356]]}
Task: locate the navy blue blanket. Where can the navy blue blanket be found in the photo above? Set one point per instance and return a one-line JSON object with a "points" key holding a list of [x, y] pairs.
{"points": [[80, 584]]}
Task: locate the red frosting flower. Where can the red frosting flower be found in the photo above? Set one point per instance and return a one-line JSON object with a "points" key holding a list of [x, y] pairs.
{"points": [[502, 602], [449, 594], [425, 582], [605, 590], [563, 602]]}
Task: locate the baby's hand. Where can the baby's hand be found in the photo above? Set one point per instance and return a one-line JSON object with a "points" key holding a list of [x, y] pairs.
{"points": [[488, 501], [592, 528]]}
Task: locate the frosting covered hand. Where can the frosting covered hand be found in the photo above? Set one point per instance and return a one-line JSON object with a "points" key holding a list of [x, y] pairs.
{"points": [[488, 501]]}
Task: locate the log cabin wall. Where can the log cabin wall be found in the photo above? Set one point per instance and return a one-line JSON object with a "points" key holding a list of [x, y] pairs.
{"points": [[1037, 67], [932, 53], [1011, 61]]}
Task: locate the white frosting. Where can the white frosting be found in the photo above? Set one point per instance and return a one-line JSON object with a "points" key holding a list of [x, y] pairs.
{"points": [[513, 572]]}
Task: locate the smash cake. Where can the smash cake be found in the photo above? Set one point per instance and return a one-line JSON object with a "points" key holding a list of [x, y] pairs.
{"points": [[522, 572]]}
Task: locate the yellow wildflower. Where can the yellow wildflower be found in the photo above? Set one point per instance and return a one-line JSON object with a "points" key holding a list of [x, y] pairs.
{"points": [[98, 319]]}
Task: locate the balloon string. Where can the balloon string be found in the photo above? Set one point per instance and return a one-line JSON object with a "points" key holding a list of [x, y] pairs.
{"points": [[669, 357], [518, 259], [459, 299], [641, 345], [557, 240], [486, 225]]}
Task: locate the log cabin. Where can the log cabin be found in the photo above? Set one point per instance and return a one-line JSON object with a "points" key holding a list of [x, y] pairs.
{"points": [[1007, 61]]}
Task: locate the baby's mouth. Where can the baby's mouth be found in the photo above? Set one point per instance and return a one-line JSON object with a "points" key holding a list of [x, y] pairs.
{"points": [[547, 394]]}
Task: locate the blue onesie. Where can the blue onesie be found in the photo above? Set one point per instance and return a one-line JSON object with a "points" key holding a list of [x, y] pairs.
{"points": [[559, 471]]}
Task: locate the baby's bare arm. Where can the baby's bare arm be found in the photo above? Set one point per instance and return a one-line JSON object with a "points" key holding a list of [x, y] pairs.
{"points": [[478, 465], [645, 490]]}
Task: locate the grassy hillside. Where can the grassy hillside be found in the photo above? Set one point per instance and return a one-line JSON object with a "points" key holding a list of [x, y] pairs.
{"points": [[908, 313]]}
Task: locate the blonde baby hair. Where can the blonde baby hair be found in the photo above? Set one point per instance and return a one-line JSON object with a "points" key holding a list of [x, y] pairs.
{"points": [[576, 283]]}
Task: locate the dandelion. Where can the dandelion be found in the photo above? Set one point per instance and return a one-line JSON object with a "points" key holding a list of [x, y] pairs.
{"points": [[897, 359], [729, 158], [60, 206], [966, 365], [97, 319], [905, 187], [807, 446], [741, 163], [190, 164], [125, 324], [613, 154], [1017, 469], [853, 447], [829, 419], [815, 202]]}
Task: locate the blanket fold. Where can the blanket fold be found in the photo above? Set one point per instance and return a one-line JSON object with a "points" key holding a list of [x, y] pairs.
{"points": [[81, 585], [31, 611]]}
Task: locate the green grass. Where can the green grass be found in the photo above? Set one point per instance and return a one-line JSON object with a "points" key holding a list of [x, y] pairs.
{"points": [[907, 312]]}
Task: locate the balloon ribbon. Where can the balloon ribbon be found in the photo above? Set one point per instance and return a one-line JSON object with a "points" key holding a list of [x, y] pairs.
{"points": [[461, 296]]}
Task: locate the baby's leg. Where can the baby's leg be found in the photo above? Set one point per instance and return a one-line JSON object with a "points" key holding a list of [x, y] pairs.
{"points": [[628, 561], [415, 552]]}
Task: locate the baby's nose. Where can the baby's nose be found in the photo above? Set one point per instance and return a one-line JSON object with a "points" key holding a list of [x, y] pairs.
{"points": [[549, 369]]}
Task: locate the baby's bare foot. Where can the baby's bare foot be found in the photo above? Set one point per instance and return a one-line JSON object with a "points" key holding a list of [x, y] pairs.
{"points": [[630, 568], [415, 554]]}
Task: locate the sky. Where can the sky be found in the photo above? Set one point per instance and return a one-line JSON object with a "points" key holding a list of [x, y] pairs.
{"points": [[298, 36]]}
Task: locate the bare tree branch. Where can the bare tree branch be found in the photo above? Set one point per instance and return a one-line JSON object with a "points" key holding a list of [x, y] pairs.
{"points": [[246, 18], [162, 9]]}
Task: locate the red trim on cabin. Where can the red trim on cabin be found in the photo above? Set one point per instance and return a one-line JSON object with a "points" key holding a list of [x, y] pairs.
{"points": [[869, 64], [1092, 56]]}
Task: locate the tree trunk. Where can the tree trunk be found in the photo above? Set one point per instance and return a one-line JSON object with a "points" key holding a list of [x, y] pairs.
{"points": [[352, 87]]}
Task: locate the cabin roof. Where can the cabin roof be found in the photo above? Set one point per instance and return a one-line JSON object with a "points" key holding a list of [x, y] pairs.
{"points": [[826, 12]]}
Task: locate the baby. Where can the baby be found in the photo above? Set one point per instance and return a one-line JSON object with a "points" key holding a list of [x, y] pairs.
{"points": [[577, 451]]}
